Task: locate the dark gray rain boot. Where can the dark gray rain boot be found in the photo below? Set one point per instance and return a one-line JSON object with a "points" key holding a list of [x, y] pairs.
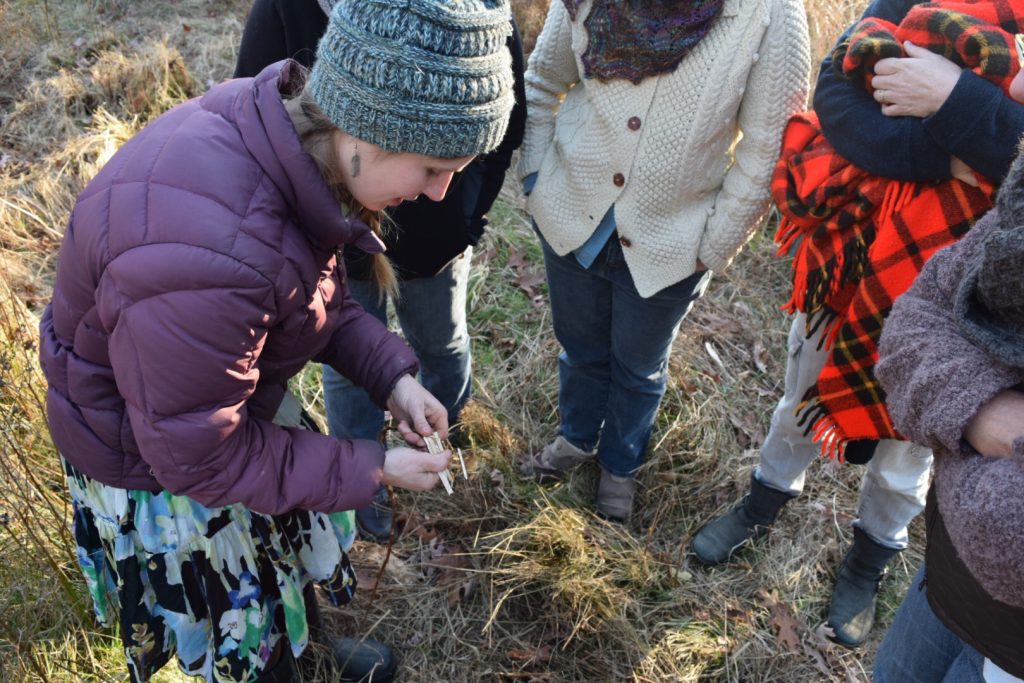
{"points": [[374, 521], [720, 538], [352, 659], [852, 612]]}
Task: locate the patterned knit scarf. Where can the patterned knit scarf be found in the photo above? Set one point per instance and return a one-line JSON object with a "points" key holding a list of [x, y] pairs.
{"points": [[861, 240], [639, 38]]}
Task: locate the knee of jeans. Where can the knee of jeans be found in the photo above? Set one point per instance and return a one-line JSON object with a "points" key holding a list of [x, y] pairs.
{"points": [[639, 378], [906, 474], [451, 347], [585, 358], [787, 424], [442, 334]]}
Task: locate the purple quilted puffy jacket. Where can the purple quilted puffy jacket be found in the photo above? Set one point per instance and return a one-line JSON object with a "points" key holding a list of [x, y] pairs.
{"points": [[197, 274]]}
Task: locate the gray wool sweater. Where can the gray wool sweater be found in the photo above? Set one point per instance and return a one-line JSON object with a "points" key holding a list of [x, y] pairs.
{"points": [[938, 370]]}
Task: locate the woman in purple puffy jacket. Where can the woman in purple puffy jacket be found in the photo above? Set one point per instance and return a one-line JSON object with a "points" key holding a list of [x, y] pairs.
{"points": [[198, 273]]}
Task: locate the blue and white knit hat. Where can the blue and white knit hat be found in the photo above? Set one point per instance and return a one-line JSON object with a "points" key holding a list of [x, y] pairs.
{"points": [[431, 77]]}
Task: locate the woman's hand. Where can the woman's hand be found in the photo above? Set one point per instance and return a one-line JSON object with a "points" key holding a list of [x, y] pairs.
{"points": [[962, 172], [915, 85], [414, 470], [997, 425], [418, 413]]}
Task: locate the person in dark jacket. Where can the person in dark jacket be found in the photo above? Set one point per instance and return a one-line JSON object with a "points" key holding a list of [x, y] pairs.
{"points": [[928, 120], [952, 364], [429, 242], [198, 273]]}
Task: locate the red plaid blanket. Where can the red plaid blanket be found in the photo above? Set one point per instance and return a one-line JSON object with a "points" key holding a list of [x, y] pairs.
{"points": [[974, 34], [860, 240]]}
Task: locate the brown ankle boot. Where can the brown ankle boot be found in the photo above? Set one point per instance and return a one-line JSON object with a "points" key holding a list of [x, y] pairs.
{"points": [[557, 458], [615, 496]]}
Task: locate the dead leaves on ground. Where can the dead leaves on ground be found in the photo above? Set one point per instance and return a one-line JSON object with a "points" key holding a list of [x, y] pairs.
{"points": [[434, 562], [793, 636], [786, 625], [528, 277], [734, 347]]}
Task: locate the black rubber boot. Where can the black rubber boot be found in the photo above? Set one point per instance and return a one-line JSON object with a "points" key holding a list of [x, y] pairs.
{"points": [[852, 612], [367, 661], [352, 659], [720, 538]]}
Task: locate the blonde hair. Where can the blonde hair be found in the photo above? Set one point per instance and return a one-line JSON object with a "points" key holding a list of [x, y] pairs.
{"points": [[316, 134]]}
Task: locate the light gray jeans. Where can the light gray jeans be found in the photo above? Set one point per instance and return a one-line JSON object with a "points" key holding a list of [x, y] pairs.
{"points": [[895, 480]]}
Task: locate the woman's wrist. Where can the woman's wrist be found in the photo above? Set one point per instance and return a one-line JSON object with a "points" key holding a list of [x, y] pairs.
{"points": [[997, 425]]}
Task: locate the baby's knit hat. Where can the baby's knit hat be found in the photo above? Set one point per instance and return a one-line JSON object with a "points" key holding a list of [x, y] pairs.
{"points": [[989, 303], [432, 77]]}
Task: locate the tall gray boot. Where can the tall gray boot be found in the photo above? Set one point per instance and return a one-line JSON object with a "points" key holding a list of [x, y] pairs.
{"points": [[852, 612], [720, 538]]}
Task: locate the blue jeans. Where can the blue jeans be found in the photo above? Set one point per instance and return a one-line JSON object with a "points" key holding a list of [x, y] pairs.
{"points": [[918, 648], [615, 346], [432, 313]]}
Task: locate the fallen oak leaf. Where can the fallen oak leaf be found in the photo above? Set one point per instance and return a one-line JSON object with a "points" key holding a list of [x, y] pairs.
{"points": [[786, 625], [527, 282], [821, 649], [819, 659], [516, 258]]}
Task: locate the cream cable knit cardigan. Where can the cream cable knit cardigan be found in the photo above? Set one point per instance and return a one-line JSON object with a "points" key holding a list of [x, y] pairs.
{"points": [[695, 147]]}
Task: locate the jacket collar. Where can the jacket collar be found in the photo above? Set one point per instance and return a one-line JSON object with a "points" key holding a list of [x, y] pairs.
{"points": [[269, 135]]}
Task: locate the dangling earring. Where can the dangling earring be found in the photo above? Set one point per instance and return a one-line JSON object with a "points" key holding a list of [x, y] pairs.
{"points": [[354, 161]]}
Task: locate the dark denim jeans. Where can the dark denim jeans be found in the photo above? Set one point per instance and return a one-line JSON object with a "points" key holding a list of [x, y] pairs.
{"points": [[918, 648], [432, 313], [615, 346]]}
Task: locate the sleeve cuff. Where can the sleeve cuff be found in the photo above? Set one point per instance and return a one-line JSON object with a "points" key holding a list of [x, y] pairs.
{"points": [[713, 260]]}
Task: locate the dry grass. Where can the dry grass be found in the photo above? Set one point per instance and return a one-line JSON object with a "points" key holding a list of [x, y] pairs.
{"points": [[529, 16], [505, 580]]}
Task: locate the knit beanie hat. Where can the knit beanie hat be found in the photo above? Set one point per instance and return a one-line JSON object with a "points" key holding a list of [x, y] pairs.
{"points": [[989, 305], [431, 77]]}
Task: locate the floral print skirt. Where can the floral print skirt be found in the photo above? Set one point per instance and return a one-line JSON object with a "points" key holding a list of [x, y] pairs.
{"points": [[218, 587]]}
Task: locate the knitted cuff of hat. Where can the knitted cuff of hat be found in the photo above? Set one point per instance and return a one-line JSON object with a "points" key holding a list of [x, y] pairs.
{"points": [[422, 76]]}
